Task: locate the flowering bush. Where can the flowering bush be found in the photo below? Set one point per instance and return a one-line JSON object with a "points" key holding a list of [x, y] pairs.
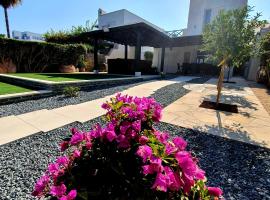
{"points": [[126, 159]]}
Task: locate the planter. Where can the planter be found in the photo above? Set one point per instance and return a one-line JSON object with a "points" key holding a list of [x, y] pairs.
{"points": [[82, 69], [67, 69], [7, 66]]}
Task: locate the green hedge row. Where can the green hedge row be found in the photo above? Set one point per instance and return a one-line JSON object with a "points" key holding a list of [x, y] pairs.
{"points": [[40, 56]]}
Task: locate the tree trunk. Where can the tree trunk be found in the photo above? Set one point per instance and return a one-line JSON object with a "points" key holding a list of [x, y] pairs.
{"points": [[220, 83], [7, 23], [228, 77]]}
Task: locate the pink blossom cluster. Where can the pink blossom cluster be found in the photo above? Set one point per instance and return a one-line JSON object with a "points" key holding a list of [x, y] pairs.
{"points": [[130, 125], [49, 184]]}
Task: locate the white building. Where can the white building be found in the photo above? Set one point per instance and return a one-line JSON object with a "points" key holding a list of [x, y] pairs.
{"points": [[121, 18], [201, 12], [26, 35]]}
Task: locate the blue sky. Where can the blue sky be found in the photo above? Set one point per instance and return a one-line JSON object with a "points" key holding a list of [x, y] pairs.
{"points": [[42, 15]]}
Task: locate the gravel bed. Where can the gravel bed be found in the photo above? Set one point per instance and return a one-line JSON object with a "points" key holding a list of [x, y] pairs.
{"points": [[240, 169], [169, 94], [60, 100]]}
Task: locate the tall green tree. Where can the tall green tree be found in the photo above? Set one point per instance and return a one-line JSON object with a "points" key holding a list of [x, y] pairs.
{"points": [[6, 4], [230, 40]]}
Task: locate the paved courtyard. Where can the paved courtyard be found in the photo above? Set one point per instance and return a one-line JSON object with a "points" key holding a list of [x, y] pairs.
{"points": [[251, 124]]}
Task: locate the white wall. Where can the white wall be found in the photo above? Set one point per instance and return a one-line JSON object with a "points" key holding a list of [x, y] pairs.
{"points": [[173, 56], [197, 12]]}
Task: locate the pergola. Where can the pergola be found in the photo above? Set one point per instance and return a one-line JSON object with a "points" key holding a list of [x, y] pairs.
{"points": [[138, 35]]}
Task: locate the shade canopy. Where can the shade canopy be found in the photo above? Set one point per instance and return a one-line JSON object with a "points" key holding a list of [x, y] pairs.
{"points": [[130, 34]]}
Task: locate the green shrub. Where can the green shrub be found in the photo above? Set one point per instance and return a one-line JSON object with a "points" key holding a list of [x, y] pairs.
{"points": [[148, 55], [71, 91], [2, 35], [40, 56]]}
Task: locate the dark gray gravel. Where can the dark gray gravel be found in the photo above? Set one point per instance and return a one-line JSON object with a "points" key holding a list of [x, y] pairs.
{"points": [[242, 170], [60, 100], [168, 94], [22, 162]]}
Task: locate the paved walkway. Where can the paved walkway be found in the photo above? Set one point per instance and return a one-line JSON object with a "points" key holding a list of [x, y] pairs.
{"points": [[16, 127], [251, 124]]}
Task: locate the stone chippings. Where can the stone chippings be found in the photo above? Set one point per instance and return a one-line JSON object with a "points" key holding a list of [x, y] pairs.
{"points": [[60, 101], [168, 94], [22, 162], [241, 170]]}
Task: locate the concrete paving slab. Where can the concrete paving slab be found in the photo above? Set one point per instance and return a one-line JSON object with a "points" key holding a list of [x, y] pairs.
{"points": [[12, 128], [45, 120]]}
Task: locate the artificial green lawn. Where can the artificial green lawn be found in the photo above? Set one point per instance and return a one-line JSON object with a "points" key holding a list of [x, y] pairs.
{"points": [[11, 89], [59, 77]]}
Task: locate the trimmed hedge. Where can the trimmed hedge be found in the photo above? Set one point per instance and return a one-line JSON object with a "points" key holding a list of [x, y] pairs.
{"points": [[40, 56]]}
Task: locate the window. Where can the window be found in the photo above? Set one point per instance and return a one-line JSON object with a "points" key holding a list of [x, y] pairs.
{"points": [[187, 57], [207, 16]]}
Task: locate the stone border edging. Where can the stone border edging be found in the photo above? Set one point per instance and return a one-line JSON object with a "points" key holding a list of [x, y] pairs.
{"points": [[57, 87], [18, 97]]}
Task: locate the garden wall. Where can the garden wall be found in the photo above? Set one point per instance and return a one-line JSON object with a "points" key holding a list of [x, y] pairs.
{"points": [[199, 69], [25, 56]]}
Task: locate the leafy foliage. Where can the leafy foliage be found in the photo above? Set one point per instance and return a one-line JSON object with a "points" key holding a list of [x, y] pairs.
{"points": [[231, 36], [71, 91], [9, 3], [126, 159], [148, 55], [39, 56], [2, 35], [264, 72], [64, 36]]}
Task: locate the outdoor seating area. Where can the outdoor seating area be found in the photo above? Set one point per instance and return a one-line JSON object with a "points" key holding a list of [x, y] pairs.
{"points": [[121, 109]]}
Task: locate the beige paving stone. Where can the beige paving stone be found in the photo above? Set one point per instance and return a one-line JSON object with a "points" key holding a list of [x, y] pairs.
{"points": [[45, 120], [251, 124], [13, 128], [168, 116]]}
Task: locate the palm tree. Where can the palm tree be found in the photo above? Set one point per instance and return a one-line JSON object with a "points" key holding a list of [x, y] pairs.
{"points": [[7, 4]]}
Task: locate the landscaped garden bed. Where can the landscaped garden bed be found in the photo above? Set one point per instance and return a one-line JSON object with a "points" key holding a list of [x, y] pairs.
{"points": [[11, 89], [61, 77]]}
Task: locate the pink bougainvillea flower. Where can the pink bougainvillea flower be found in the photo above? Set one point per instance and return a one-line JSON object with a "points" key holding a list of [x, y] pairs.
{"points": [[58, 191], [97, 131], [156, 164], [71, 195], [173, 179], [105, 106], [53, 168], [40, 185], [186, 163], [215, 191], [63, 161], [124, 127], [199, 174], [64, 145], [147, 169], [162, 137], [160, 183], [170, 148], [76, 138], [76, 153], [110, 132], [74, 130], [143, 140], [180, 143], [145, 152], [137, 125]]}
